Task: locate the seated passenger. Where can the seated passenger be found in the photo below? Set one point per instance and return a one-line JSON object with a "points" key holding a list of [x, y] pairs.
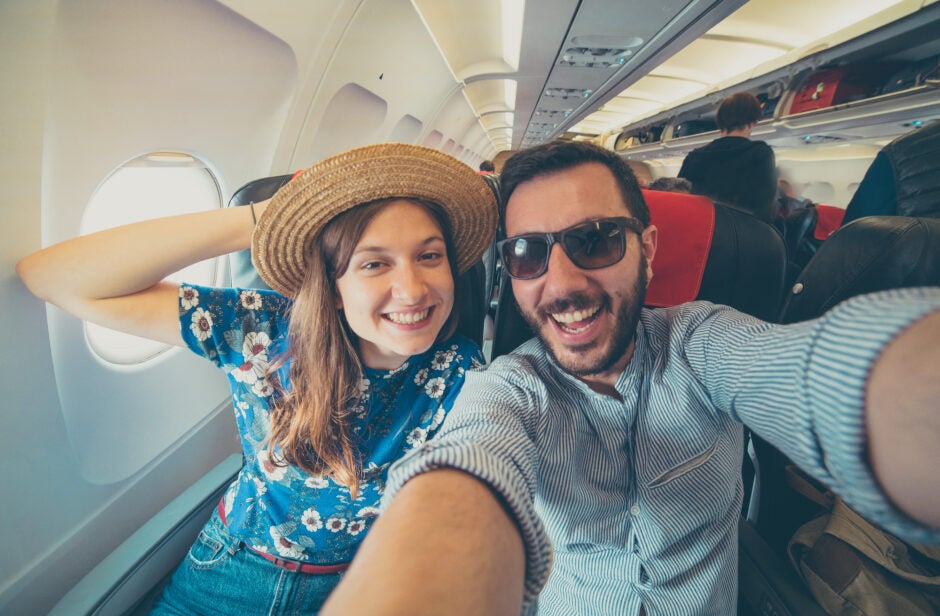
{"points": [[787, 200], [733, 169], [679, 185], [600, 462], [903, 180], [347, 365]]}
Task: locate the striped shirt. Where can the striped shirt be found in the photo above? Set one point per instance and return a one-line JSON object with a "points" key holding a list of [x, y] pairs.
{"points": [[636, 501]]}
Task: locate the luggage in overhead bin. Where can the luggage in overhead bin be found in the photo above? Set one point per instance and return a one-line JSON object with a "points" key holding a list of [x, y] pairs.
{"points": [[693, 127], [841, 84], [913, 75]]}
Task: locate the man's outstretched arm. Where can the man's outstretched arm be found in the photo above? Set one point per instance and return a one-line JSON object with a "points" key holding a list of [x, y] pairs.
{"points": [[445, 545], [903, 420]]}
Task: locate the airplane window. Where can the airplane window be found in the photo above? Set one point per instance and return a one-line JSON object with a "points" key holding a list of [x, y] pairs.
{"points": [[433, 139], [819, 192], [150, 186], [407, 129]]}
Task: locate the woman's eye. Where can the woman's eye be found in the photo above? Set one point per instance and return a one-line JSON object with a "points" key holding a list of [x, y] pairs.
{"points": [[432, 256], [371, 265]]}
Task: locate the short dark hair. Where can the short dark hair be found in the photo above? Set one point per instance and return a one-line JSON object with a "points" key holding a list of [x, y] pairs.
{"points": [[487, 165], [667, 184], [555, 156], [737, 111]]}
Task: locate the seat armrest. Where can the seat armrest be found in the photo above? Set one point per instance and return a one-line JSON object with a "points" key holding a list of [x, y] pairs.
{"points": [[120, 582]]}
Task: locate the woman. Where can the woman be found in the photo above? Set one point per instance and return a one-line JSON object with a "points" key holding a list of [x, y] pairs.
{"points": [[349, 363]]}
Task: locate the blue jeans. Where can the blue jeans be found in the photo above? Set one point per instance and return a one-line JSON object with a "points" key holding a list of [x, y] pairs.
{"points": [[220, 575]]}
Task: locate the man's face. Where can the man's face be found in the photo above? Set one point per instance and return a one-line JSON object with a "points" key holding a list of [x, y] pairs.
{"points": [[587, 318]]}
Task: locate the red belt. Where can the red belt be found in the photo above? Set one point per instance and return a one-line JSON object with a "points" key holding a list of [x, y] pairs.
{"points": [[291, 565]]}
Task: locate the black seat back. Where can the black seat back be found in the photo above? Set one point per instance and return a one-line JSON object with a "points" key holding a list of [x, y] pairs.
{"points": [[869, 254]]}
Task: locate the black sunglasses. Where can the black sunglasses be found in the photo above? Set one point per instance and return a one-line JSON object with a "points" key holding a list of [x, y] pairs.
{"points": [[589, 245]]}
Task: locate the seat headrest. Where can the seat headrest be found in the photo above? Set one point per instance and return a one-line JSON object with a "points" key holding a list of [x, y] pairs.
{"points": [[687, 224], [869, 254], [829, 217]]}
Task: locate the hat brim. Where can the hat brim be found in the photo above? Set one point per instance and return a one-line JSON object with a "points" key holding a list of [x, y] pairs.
{"points": [[302, 207]]}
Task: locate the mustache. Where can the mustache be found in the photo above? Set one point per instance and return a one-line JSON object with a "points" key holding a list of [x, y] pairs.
{"points": [[577, 301]]}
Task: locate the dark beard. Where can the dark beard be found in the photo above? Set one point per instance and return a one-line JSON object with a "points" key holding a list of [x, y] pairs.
{"points": [[624, 330]]}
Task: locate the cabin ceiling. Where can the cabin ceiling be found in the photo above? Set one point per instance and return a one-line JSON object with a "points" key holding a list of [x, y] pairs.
{"points": [[535, 71]]}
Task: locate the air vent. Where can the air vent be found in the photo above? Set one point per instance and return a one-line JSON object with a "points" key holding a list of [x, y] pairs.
{"points": [[595, 57], [564, 93], [817, 139], [553, 114]]}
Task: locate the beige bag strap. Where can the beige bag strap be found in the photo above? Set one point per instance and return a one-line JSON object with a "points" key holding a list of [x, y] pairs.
{"points": [[888, 551]]}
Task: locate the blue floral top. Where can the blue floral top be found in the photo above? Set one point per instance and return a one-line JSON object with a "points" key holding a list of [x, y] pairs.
{"points": [[283, 510]]}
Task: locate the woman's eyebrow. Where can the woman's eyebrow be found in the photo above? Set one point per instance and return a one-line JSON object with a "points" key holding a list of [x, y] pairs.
{"points": [[373, 248]]}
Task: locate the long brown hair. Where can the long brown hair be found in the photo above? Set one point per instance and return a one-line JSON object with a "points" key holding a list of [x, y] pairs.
{"points": [[309, 421]]}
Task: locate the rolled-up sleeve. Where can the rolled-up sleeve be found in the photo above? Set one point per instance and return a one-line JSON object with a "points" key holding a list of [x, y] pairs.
{"points": [[802, 388], [491, 434]]}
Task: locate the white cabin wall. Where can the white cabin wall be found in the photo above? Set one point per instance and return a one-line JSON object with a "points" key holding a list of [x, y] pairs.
{"points": [[242, 87], [96, 85], [388, 53]]}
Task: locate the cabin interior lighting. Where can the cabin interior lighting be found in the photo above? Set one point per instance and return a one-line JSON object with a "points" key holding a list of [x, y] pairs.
{"points": [[761, 36]]}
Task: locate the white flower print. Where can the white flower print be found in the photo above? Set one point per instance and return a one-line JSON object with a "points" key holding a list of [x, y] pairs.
{"points": [[311, 519], [363, 386], [438, 418], [435, 387], [255, 352], [417, 437], [335, 524], [442, 359], [262, 388], [189, 297], [368, 512], [421, 377], [260, 486], [201, 324], [475, 363], [285, 547], [355, 527], [251, 300], [272, 471], [316, 482]]}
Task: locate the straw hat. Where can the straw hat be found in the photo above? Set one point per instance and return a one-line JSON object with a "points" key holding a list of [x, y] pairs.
{"points": [[303, 206]]}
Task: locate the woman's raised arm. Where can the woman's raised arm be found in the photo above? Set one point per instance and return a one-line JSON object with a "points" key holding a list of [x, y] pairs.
{"points": [[113, 277]]}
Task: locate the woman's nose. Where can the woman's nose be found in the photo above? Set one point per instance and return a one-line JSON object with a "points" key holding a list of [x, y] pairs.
{"points": [[409, 284]]}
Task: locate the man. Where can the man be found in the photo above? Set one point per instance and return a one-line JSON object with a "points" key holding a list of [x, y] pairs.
{"points": [[734, 169], [607, 450]]}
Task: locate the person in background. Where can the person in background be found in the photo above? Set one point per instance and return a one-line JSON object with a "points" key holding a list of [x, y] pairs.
{"points": [[679, 185], [487, 167], [787, 201], [903, 180], [734, 169], [600, 462], [345, 366]]}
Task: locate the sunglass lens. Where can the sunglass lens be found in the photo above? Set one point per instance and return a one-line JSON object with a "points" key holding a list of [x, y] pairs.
{"points": [[525, 257], [595, 245]]}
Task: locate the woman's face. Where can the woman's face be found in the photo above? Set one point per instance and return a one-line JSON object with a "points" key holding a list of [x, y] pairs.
{"points": [[398, 289]]}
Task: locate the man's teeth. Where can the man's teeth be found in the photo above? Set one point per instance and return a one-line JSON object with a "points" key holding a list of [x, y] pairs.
{"points": [[577, 315], [407, 318]]}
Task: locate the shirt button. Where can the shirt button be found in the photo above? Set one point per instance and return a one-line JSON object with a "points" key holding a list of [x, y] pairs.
{"points": [[635, 510]]}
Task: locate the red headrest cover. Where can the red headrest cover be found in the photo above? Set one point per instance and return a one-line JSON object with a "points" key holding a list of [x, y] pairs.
{"points": [[828, 219], [686, 224]]}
